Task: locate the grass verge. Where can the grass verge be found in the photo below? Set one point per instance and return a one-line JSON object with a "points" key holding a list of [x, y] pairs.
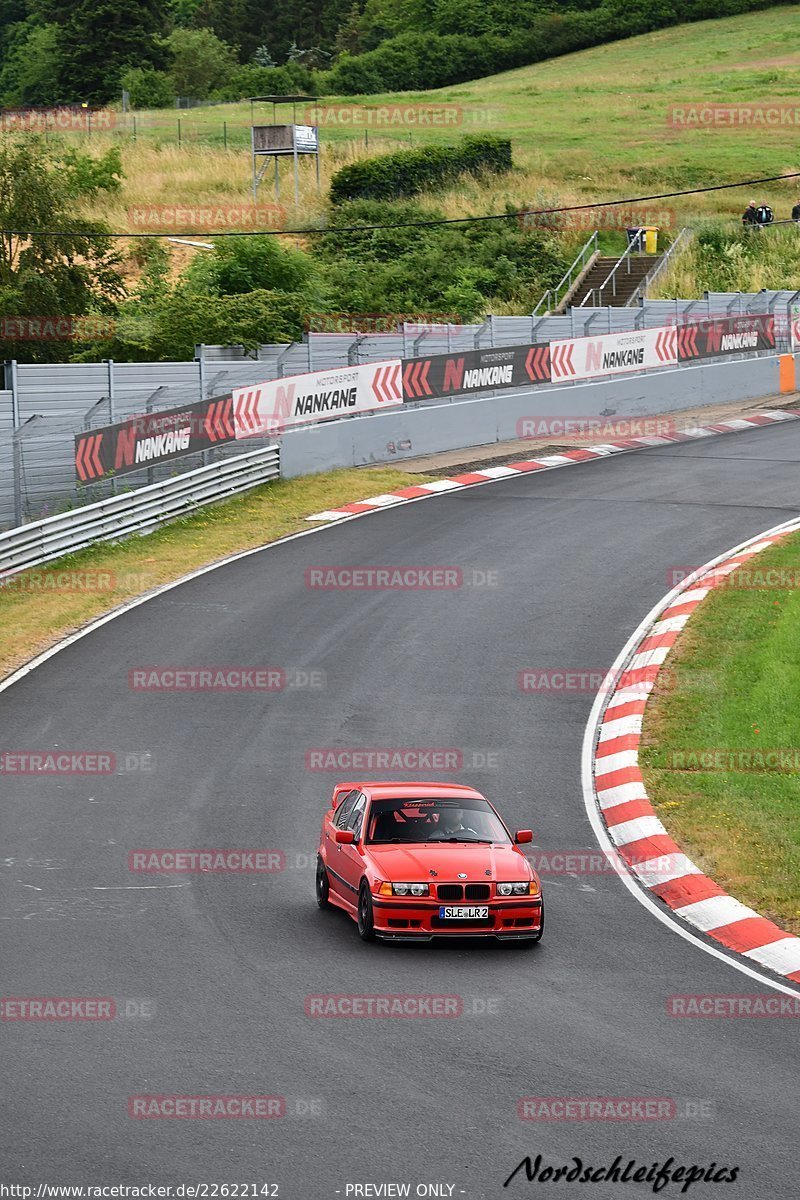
{"points": [[39, 607], [733, 691]]}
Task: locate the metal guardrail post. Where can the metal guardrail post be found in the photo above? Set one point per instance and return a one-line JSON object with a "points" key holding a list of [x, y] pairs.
{"points": [[280, 360], [17, 438], [15, 425], [479, 334], [353, 349], [200, 358], [789, 336], [112, 416], [418, 342], [87, 416]]}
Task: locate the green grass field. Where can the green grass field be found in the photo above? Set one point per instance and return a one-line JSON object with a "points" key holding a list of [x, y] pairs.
{"points": [[586, 126], [733, 689]]}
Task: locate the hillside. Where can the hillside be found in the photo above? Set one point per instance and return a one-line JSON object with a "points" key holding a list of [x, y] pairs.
{"points": [[57, 53], [618, 121], [589, 126]]}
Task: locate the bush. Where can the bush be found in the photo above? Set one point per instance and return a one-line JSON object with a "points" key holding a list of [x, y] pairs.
{"points": [[407, 172], [170, 331], [465, 270], [240, 265], [251, 80], [148, 88], [200, 62]]}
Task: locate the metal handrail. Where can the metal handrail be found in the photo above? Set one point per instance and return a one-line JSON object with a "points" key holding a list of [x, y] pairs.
{"points": [[585, 251], [635, 244], [684, 236]]}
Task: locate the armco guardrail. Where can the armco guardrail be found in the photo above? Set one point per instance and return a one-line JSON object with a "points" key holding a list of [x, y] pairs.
{"points": [[139, 511]]}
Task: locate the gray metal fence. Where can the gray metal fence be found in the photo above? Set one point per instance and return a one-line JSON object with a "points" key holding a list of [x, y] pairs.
{"points": [[42, 407]]}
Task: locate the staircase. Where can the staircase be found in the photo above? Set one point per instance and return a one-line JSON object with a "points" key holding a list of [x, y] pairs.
{"points": [[620, 288]]}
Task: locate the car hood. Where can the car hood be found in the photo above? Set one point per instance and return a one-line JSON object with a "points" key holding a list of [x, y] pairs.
{"points": [[416, 862]]}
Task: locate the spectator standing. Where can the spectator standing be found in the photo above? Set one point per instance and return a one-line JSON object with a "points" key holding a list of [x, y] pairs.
{"points": [[750, 214]]}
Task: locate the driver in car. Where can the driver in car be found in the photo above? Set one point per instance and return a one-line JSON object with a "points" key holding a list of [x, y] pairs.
{"points": [[451, 824]]}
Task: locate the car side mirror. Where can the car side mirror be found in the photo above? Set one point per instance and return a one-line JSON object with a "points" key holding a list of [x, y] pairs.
{"points": [[523, 835], [345, 837]]}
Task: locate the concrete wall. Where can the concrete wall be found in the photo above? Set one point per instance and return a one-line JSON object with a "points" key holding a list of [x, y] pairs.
{"points": [[400, 433]]}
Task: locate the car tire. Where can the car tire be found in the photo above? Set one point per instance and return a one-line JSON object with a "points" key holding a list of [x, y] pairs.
{"points": [[366, 919], [322, 885]]}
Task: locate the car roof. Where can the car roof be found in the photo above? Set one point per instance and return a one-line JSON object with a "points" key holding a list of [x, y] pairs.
{"points": [[392, 790]]}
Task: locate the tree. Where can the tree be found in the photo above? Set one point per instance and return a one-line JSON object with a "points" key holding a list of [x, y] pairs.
{"points": [[148, 88], [31, 65], [348, 35], [263, 58], [200, 62], [100, 38], [72, 274]]}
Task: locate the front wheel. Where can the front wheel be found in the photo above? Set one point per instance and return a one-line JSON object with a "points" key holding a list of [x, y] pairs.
{"points": [[366, 920], [322, 885]]}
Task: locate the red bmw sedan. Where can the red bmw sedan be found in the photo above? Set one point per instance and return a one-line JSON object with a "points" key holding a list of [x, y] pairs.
{"points": [[414, 861]]}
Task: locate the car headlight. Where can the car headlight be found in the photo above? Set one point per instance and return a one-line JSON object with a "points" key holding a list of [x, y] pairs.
{"points": [[410, 889], [527, 887]]}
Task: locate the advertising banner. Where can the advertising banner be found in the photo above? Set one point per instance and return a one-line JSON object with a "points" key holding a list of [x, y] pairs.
{"points": [[613, 354], [152, 438], [794, 319], [726, 335], [318, 396], [475, 371]]}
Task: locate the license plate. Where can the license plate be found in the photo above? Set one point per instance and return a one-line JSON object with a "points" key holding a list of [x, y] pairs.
{"points": [[463, 912]]}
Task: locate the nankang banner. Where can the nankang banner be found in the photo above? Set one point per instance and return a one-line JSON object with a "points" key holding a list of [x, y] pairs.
{"points": [[152, 438], [475, 371], [613, 354], [726, 335], [318, 396]]}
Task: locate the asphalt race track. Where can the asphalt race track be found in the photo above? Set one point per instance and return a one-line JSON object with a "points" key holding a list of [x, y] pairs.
{"points": [[226, 961]]}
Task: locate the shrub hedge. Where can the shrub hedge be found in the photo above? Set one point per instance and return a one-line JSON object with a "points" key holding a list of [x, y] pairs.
{"points": [[407, 172]]}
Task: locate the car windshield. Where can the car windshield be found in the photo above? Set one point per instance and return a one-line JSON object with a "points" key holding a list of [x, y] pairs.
{"points": [[435, 821]]}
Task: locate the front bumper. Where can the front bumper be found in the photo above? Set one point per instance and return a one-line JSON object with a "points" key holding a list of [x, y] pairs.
{"points": [[401, 919]]}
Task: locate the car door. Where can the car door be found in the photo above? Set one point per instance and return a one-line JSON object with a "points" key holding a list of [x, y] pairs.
{"points": [[350, 858], [333, 849]]}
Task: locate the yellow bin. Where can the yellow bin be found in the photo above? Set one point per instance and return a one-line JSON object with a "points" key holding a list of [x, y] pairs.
{"points": [[651, 239]]}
